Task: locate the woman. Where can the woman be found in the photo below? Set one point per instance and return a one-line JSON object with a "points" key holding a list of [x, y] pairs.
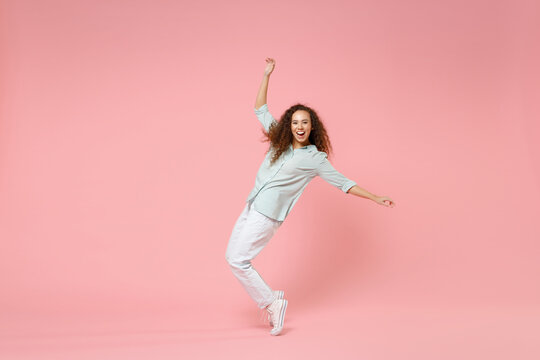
{"points": [[298, 152]]}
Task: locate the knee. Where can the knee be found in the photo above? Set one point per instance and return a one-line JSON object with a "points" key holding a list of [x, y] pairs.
{"points": [[231, 258], [237, 263]]}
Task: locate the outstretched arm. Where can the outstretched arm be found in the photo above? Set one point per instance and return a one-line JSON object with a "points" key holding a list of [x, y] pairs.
{"points": [[383, 200], [263, 89], [337, 179], [358, 191]]}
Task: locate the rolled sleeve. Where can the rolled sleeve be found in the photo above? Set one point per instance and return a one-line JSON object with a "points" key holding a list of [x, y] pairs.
{"points": [[329, 174], [264, 117]]}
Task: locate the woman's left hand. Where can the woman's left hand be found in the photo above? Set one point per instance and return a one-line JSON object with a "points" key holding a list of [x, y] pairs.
{"points": [[385, 200]]}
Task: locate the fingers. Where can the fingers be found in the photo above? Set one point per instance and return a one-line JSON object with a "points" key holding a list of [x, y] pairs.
{"points": [[388, 202]]}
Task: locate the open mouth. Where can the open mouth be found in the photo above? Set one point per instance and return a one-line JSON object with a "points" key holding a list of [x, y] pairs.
{"points": [[300, 133]]}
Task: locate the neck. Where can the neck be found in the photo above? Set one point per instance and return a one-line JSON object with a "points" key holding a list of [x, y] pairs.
{"points": [[297, 145]]}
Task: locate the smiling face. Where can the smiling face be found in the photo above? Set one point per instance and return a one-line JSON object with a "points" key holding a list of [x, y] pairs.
{"points": [[300, 127]]}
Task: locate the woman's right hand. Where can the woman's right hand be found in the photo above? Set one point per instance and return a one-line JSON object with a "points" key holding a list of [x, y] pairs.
{"points": [[270, 63]]}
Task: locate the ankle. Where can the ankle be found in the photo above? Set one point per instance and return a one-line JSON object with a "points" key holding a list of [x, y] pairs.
{"points": [[267, 307]]}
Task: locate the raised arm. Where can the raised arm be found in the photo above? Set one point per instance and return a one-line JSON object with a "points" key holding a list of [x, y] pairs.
{"points": [[263, 89]]}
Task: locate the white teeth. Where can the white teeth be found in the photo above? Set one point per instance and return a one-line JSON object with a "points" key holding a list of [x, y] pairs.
{"points": [[300, 132]]}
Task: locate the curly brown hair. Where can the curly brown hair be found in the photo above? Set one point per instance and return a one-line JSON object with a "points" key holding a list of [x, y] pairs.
{"points": [[280, 136]]}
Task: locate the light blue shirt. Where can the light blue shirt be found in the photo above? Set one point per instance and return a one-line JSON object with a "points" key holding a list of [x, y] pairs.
{"points": [[278, 186]]}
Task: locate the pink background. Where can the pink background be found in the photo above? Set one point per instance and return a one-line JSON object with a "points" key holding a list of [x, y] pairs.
{"points": [[128, 145]]}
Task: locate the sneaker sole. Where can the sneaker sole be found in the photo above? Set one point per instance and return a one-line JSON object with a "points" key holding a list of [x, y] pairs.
{"points": [[280, 320]]}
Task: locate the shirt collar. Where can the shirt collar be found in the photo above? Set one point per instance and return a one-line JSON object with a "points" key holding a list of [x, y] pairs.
{"points": [[307, 147]]}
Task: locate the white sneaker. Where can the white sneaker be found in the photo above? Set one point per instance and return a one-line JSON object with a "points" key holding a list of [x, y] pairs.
{"points": [[265, 315], [277, 315], [279, 295]]}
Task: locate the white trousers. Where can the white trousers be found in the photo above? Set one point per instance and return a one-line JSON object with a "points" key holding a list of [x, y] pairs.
{"points": [[250, 234]]}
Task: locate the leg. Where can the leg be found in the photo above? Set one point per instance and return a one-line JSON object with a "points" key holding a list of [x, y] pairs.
{"points": [[251, 233]]}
